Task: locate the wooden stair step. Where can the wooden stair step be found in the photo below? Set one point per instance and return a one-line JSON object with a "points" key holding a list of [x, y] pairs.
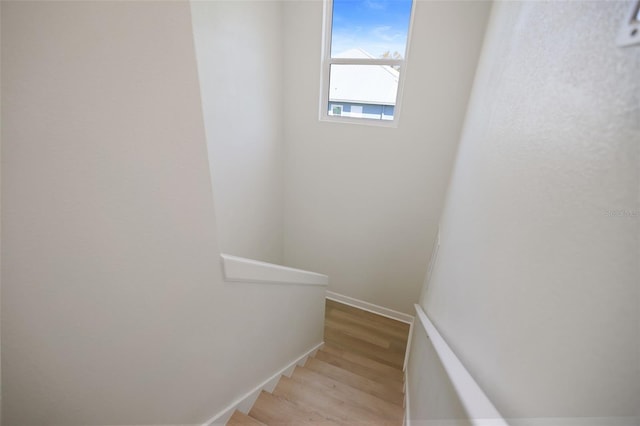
{"points": [[356, 381], [271, 409], [349, 395], [392, 383], [322, 401], [239, 419]]}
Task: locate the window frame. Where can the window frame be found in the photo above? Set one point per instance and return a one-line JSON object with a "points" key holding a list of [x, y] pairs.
{"points": [[327, 61]]}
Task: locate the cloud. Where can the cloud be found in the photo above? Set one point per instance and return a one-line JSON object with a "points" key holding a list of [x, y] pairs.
{"points": [[376, 5], [385, 33]]}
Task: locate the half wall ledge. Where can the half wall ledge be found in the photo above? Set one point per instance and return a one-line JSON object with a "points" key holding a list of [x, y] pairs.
{"points": [[240, 269]]}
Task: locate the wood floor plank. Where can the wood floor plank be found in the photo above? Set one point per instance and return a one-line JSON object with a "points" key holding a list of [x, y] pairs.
{"points": [[273, 410], [366, 334], [387, 370], [331, 304], [356, 381], [349, 395], [401, 334], [240, 419], [358, 332], [327, 404], [392, 383], [386, 356]]}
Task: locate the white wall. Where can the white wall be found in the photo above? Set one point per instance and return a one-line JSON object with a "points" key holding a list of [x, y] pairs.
{"points": [[357, 198], [239, 53], [113, 307], [536, 287]]}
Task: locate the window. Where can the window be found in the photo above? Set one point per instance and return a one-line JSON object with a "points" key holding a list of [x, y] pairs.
{"points": [[364, 51]]}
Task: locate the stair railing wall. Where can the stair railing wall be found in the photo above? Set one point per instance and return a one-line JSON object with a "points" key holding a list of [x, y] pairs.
{"points": [[440, 390], [280, 321]]}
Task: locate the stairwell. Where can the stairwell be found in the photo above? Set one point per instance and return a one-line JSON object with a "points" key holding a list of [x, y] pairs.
{"points": [[355, 378]]}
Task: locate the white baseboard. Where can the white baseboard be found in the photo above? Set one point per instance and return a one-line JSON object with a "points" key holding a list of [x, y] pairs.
{"points": [[407, 402], [376, 309], [245, 402]]}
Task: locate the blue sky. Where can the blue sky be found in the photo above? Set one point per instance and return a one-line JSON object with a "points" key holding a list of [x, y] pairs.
{"points": [[376, 26]]}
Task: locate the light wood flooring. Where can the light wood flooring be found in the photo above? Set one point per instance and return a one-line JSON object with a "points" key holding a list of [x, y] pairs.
{"points": [[354, 379]]}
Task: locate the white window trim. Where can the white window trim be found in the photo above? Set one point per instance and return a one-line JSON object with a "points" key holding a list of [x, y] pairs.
{"points": [[327, 61]]}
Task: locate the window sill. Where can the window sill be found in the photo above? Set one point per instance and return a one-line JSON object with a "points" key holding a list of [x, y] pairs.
{"points": [[359, 121]]}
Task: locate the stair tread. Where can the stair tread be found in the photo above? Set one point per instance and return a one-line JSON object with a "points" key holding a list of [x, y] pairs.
{"points": [[392, 382], [356, 381], [329, 405], [348, 394], [238, 419], [274, 410]]}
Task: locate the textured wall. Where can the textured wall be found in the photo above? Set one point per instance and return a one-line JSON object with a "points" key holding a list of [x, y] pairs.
{"points": [[537, 281]]}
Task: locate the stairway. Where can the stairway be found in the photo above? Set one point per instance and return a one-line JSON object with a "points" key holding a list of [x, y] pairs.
{"points": [[356, 378]]}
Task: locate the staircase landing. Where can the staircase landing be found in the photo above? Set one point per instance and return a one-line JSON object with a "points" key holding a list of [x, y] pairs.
{"points": [[356, 378]]}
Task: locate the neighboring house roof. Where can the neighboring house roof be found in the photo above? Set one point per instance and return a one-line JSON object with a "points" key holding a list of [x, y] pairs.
{"points": [[364, 84]]}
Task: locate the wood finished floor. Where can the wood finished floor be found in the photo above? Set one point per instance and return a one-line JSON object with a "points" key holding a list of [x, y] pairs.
{"points": [[354, 379]]}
